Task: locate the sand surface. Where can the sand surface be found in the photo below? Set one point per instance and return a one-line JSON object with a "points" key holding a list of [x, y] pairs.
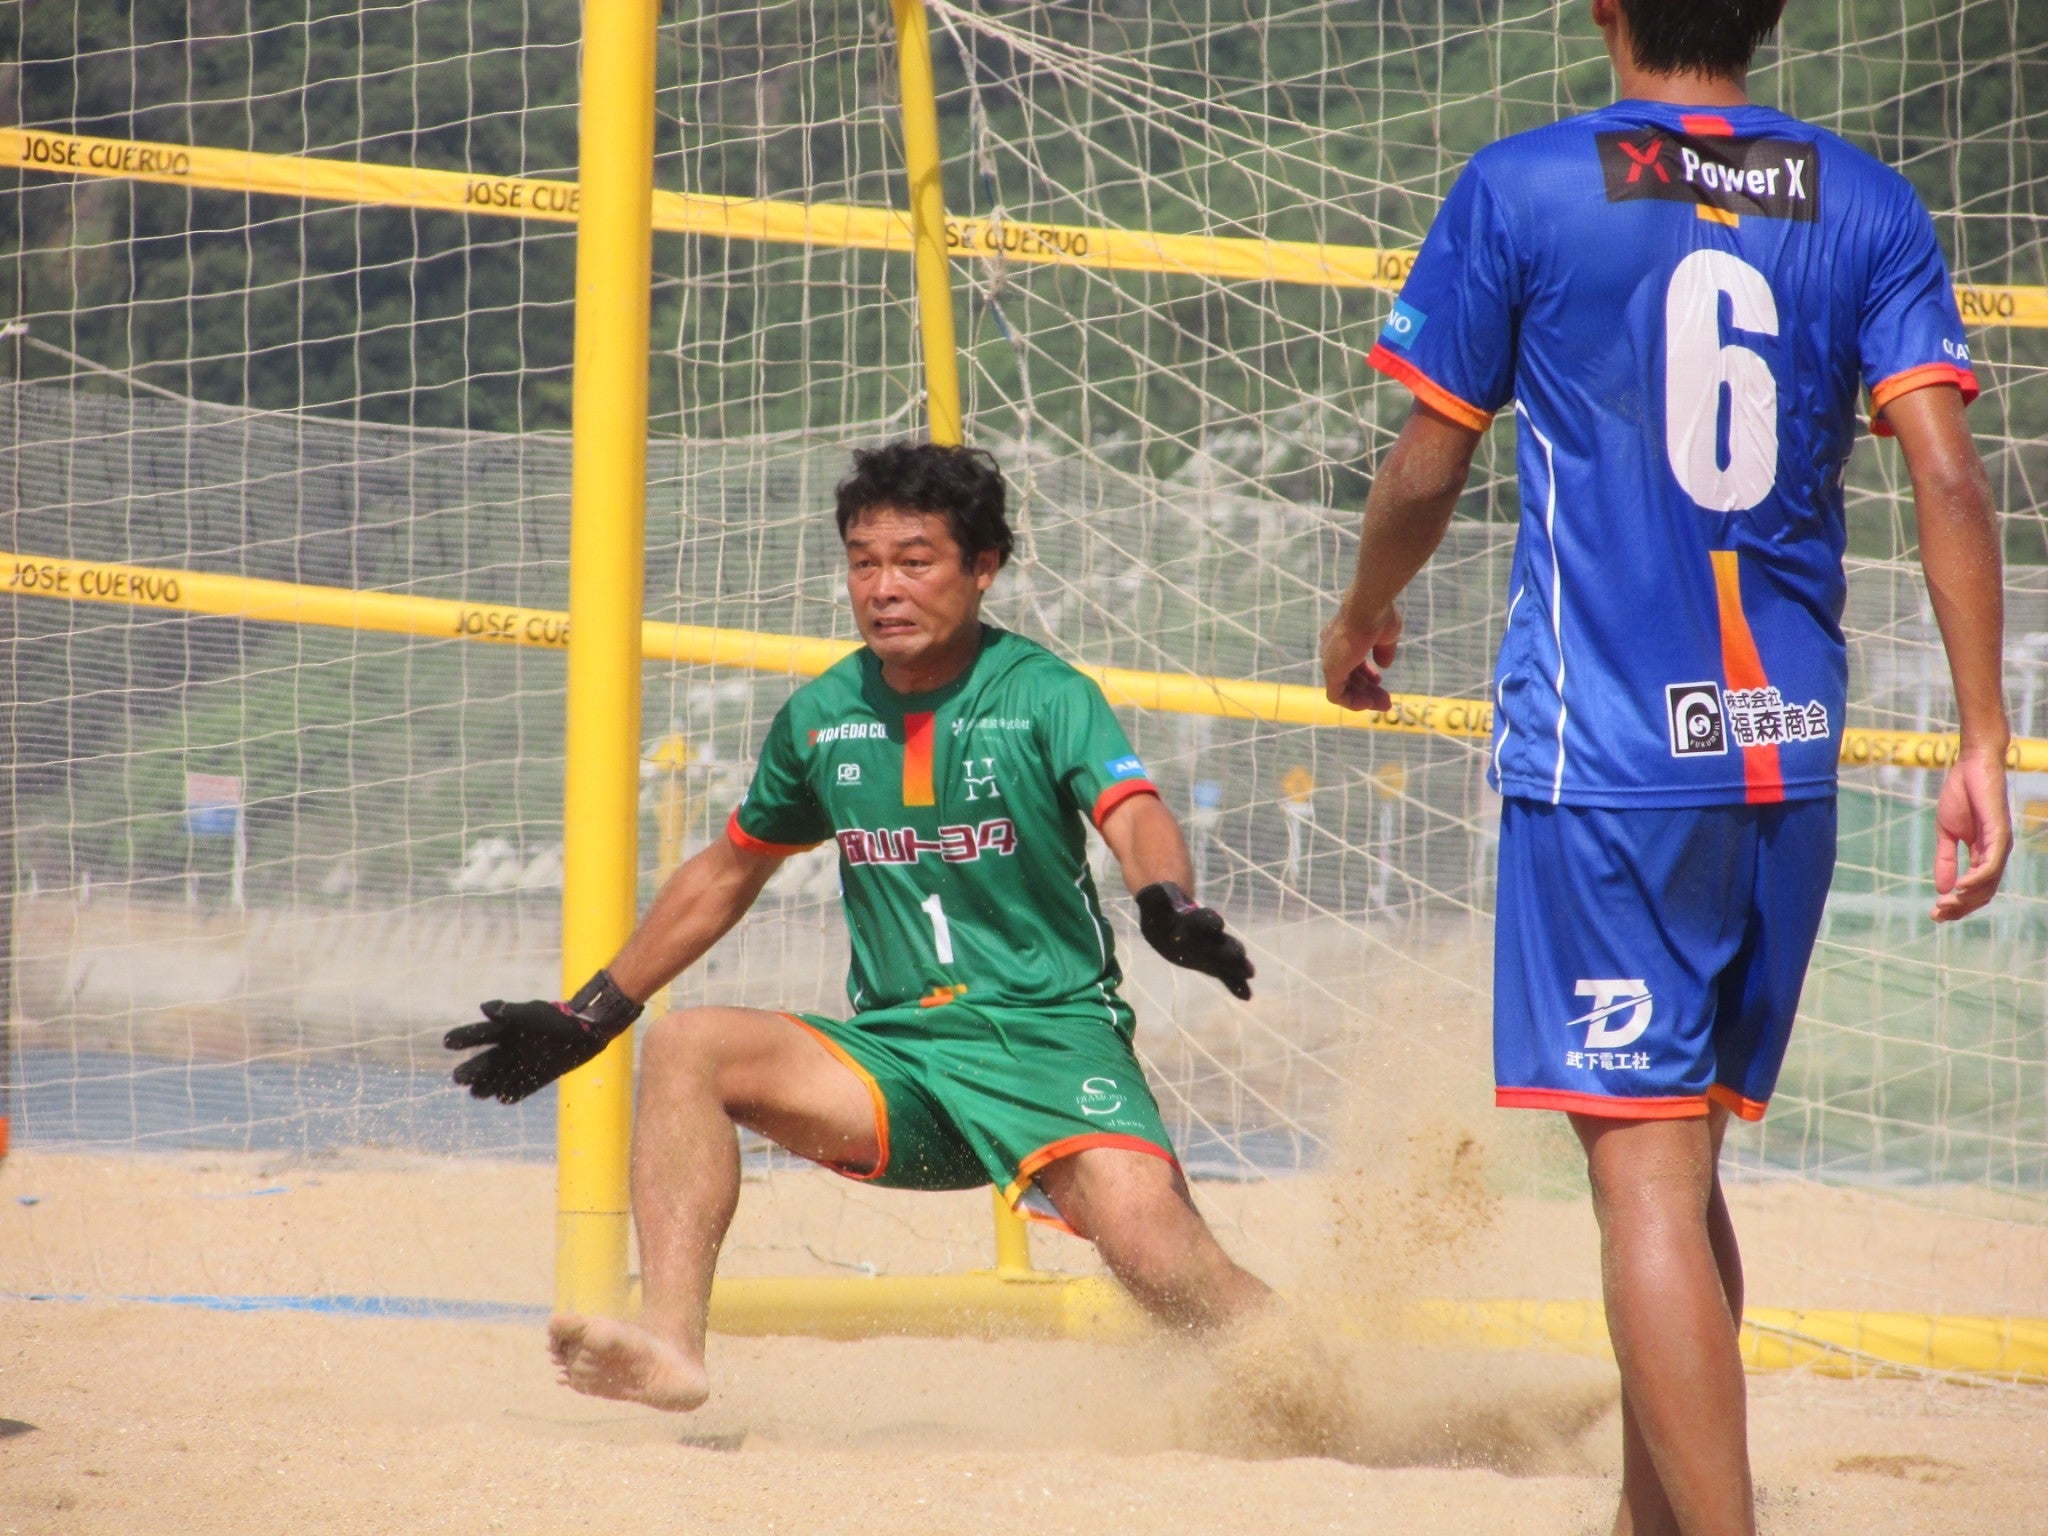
{"points": [[151, 1416], [1424, 1222]]}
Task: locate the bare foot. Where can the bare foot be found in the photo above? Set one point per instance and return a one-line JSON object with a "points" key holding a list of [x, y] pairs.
{"points": [[603, 1358]]}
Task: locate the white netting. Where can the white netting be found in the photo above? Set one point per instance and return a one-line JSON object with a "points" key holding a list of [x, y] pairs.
{"points": [[384, 395]]}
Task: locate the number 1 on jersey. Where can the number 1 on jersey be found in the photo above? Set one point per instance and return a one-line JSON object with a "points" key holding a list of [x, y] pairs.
{"points": [[942, 932]]}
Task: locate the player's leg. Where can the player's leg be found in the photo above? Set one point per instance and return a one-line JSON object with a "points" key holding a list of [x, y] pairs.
{"points": [[1136, 1209], [703, 1072], [1615, 933], [1757, 1000], [1644, 1506], [1672, 1278]]}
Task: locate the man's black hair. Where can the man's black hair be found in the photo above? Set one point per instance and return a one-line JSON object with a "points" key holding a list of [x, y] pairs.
{"points": [[963, 485], [1712, 37]]}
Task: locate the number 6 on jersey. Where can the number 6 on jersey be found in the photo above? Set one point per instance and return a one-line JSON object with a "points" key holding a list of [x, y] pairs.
{"points": [[1697, 366]]}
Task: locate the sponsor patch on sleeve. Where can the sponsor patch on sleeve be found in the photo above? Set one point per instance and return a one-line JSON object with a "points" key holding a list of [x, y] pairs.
{"points": [[1403, 325], [1125, 768]]}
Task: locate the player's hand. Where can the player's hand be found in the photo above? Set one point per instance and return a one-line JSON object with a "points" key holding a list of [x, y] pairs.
{"points": [[1355, 658], [532, 1044], [1193, 936], [1971, 811]]}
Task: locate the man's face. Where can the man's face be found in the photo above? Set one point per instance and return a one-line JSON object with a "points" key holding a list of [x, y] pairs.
{"points": [[912, 598]]}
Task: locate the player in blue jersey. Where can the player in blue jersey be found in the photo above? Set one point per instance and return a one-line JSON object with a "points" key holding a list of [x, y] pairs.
{"points": [[1681, 295]]}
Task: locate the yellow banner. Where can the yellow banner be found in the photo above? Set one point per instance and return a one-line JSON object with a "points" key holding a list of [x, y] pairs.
{"points": [[440, 618], [839, 225]]}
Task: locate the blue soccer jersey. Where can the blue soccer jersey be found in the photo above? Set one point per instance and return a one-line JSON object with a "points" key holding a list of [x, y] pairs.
{"points": [[1682, 307]]}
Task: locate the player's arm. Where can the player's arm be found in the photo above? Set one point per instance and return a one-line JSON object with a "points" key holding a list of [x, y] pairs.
{"points": [[1406, 515], [1149, 848], [1961, 554], [531, 1044], [1146, 839], [695, 908]]}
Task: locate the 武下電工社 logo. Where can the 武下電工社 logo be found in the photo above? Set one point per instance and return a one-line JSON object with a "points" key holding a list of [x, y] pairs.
{"points": [[1614, 998]]}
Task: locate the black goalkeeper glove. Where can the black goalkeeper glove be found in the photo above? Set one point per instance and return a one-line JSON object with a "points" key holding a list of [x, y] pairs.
{"points": [[1193, 936], [532, 1044]]}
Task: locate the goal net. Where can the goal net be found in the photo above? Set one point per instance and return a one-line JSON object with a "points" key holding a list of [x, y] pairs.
{"points": [[260, 866]]}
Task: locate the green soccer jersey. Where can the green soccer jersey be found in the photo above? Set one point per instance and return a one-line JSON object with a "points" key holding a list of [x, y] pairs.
{"points": [[958, 818]]}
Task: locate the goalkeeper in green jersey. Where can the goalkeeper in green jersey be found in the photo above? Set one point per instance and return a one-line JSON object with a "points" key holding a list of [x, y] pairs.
{"points": [[953, 763]]}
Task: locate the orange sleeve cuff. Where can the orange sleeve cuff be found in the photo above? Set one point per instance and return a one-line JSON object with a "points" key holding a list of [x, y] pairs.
{"points": [[741, 837], [1427, 390], [1117, 794], [1882, 395]]}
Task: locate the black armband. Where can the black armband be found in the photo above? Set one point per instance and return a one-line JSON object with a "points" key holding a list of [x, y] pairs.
{"points": [[604, 1008]]}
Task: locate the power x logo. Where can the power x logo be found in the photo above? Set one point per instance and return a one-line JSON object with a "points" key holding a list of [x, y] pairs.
{"points": [[1645, 157]]}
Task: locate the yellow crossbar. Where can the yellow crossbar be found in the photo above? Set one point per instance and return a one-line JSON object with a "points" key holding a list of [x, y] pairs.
{"points": [[844, 225], [441, 618], [841, 225], [988, 1305]]}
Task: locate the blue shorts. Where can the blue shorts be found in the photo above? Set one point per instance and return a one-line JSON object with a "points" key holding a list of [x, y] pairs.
{"points": [[1649, 961]]}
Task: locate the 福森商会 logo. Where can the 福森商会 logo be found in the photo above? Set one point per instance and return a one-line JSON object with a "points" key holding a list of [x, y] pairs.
{"points": [[1698, 723], [1706, 719]]}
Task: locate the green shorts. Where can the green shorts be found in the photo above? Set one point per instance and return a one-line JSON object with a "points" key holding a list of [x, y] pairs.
{"points": [[967, 1096]]}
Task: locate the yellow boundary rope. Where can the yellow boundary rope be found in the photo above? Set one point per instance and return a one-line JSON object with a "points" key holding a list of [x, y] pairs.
{"points": [[439, 618], [841, 225]]}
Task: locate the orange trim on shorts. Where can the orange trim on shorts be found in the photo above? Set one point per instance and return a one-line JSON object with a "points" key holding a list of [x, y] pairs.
{"points": [[1728, 1098], [1744, 669], [1117, 794], [745, 839], [1067, 1147], [1883, 394], [1688, 1107], [874, 1092], [1427, 390], [3, 1136]]}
